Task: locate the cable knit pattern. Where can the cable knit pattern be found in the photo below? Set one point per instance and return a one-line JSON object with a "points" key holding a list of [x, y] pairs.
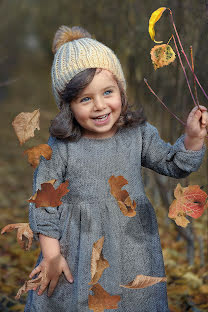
{"points": [[77, 55], [89, 211]]}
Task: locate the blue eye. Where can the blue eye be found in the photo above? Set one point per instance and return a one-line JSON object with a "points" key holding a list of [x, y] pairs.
{"points": [[108, 92], [85, 99]]}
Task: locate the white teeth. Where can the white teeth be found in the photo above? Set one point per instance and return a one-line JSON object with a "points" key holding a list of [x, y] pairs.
{"points": [[102, 117]]}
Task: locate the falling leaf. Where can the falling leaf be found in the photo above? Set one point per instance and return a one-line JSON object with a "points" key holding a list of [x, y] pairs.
{"points": [[143, 281], [191, 201], [35, 152], [122, 196], [156, 15], [25, 124], [48, 196], [23, 230], [162, 55], [29, 285], [35, 195], [102, 299], [98, 263]]}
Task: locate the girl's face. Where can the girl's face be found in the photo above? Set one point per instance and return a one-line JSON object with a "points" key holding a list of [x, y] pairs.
{"points": [[98, 106]]}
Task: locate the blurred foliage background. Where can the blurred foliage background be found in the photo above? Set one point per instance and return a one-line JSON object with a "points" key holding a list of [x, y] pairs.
{"points": [[27, 30]]}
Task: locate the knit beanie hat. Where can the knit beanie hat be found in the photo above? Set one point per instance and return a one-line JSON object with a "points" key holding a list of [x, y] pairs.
{"points": [[76, 51]]}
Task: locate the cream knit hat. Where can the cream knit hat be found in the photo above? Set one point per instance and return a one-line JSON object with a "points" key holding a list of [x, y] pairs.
{"points": [[74, 52]]}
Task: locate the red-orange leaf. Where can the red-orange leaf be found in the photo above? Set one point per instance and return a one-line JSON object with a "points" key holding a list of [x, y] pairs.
{"points": [[23, 230], [122, 196], [191, 201], [102, 299], [35, 152], [48, 196]]}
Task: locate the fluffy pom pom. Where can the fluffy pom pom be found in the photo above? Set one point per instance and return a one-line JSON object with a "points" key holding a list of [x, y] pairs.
{"points": [[65, 34]]}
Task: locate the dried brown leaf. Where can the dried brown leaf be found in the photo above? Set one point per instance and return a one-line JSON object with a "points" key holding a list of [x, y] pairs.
{"points": [[143, 281], [30, 284], [23, 230], [98, 263], [35, 152], [48, 196], [102, 299], [25, 124], [35, 195], [122, 196]]}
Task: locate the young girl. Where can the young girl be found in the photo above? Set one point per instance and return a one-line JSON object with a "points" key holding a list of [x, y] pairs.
{"points": [[94, 137]]}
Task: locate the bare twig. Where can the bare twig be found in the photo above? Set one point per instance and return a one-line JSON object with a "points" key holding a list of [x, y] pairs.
{"points": [[183, 123], [192, 65], [182, 50], [184, 71]]}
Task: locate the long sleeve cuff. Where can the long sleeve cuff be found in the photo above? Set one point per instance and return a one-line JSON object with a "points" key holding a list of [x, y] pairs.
{"points": [[42, 221], [186, 160]]}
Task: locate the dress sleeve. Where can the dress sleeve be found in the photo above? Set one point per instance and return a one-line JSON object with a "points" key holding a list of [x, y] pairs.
{"points": [[170, 160], [45, 220]]}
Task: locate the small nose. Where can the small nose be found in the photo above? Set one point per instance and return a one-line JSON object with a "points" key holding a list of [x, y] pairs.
{"points": [[99, 104]]}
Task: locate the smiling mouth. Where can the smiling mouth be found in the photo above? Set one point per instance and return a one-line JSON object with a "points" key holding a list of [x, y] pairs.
{"points": [[103, 117]]}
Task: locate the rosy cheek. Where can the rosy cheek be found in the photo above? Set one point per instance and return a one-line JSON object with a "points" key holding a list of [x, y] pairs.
{"points": [[82, 115]]}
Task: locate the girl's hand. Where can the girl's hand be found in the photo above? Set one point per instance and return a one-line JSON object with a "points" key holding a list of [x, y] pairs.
{"points": [[50, 269], [197, 122]]}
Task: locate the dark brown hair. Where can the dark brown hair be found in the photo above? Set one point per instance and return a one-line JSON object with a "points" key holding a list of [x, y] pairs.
{"points": [[65, 126]]}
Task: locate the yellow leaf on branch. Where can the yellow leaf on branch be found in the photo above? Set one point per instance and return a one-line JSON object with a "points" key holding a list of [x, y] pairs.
{"points": [[156, 15]]}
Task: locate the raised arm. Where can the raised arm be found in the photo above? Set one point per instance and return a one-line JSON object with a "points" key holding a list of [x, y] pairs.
{"points": [[170, 160]]}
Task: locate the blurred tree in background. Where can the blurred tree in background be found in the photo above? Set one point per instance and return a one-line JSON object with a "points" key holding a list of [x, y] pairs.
{"points": [[27, 30]]}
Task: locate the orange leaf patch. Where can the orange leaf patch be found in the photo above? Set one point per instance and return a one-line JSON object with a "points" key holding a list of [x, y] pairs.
{"points": [[35, 152], [102, 299], [25, 124], [98, 263], [162, 55], [191, 201], [48, 196], [143, 281], [122, 196], [23, 230]]}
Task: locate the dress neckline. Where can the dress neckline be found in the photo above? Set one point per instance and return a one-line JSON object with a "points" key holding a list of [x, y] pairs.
{"points": [[99, 139]]}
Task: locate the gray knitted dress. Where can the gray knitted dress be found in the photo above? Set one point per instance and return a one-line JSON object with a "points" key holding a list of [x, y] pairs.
{"points": [[89, 211]]}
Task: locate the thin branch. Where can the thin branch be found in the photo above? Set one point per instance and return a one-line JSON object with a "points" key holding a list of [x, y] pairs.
{"points": [[184, 71], [192, 65], [183, 123], [182, 50]]}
